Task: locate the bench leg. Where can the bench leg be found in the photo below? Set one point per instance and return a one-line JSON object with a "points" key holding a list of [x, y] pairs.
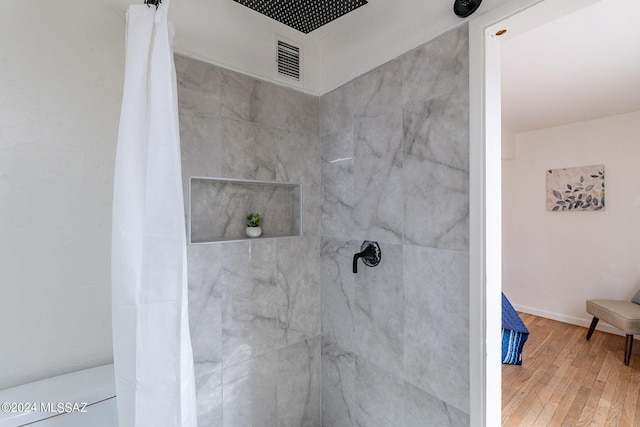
{"points": [[627, 350], [592, 328]]}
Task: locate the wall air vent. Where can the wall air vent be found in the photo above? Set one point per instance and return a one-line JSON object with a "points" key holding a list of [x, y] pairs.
{"points": [[288, 60]]}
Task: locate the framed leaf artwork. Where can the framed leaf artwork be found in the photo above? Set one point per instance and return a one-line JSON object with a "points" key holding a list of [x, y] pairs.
{"points": [[576, 189]]}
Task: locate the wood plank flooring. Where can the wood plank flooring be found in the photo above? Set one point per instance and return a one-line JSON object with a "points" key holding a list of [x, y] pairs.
{"points": [[566, 380]]}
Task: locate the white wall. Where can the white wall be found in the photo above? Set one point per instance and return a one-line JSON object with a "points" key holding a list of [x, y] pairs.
{"points": [[554, 261], [61, 66]]}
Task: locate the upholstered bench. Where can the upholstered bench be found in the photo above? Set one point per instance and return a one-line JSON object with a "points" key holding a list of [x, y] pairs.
{"points": [[624, 315]]}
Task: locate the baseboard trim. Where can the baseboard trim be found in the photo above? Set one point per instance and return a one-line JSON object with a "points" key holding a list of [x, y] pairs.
{"points": [[584, 322]]}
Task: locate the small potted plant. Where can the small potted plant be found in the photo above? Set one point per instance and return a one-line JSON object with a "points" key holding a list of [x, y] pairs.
{"points": [[253, 225]]}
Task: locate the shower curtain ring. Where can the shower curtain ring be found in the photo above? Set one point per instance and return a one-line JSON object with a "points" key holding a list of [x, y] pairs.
{"points": [[153, 2]]}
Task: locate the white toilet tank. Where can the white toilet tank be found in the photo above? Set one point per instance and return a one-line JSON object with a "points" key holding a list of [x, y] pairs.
{"points": [[79, 399]]}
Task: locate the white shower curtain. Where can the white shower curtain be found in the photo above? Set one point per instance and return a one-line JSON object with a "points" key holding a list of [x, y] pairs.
{"points": [[151, 343]]}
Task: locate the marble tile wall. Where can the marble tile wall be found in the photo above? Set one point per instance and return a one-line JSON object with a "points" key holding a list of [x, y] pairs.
{"points": [[284, 334], [254, 306], [394, 152]]}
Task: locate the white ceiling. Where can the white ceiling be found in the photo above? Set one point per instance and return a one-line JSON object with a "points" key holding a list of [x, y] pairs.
{"points": [[578, 67], [228, 34]]}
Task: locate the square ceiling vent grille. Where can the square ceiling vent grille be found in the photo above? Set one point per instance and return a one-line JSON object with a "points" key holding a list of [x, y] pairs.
{"points": [[303, 15]]}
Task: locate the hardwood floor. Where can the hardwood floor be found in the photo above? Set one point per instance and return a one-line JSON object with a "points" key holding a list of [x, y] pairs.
{"points": [[566, 380]]}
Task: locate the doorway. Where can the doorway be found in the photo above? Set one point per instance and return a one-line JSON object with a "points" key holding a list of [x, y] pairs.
{"points": [[485, 195]]}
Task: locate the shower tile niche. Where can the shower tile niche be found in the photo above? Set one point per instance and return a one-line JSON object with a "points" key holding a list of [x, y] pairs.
{"points": [[219, 206]]}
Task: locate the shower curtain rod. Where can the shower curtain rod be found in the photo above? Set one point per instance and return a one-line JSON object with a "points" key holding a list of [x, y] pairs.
{"points": [[153, 2]]}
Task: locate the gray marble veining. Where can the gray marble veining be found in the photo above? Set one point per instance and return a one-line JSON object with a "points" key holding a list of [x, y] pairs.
{"points": [[209, 398], [298, 157], [237, 95], [437, 213], [299, 383], [337, 110], [395, 169], [362, 180], [379, 311], [250, 392], [378, 92], [251, 153], [436, 323], [420, 409], [254, 306], [205, 307], [278, 388], [338, 157], [337, 211], [198, 86], [338, 386], [312, 200], [437, 68], [251, 301], [338, 292], [384, 157], [438, 130], [306, 108], [379, 396], [284, 108], [200, 146], [298, 276], [378, 178]]}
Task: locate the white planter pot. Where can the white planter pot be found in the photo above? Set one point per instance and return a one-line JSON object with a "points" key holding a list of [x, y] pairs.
{"points": [[253, 231]]}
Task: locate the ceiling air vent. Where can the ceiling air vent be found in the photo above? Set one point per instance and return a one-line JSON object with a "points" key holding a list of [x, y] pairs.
{"points": [[288, 59]]}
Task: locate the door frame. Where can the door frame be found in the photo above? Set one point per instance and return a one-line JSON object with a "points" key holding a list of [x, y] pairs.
{"points": [[485, 192]]}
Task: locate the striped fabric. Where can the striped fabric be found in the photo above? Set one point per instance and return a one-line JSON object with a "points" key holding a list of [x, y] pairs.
{"points": [[512, 345], [514, 334]]}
